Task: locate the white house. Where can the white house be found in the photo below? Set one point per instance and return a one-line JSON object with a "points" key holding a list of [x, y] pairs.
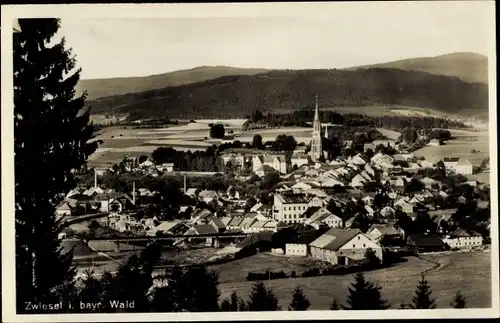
{"points": [[463, 239], [341, 246], [207, 196], [296, 249], [358, 181], [264, 170], [288, 207], [63, 209], [237, 160], [377, 231], [299, 160], [316, 216], [464, 167]]}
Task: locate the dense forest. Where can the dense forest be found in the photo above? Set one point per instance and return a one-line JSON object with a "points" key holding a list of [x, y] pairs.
{"points": [[242, 95], [305, 116]]}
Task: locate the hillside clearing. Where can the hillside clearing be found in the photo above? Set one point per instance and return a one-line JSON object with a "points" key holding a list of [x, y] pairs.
{"points": [[398, 283]]}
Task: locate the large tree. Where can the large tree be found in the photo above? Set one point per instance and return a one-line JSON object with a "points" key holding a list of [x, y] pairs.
{"points": [[262, 299], [422, 298], [299, 300], [364, 295], [52, 133]]}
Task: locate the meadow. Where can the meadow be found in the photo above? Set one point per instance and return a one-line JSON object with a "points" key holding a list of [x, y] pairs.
{"points": [[462, 146], [445, 272]]}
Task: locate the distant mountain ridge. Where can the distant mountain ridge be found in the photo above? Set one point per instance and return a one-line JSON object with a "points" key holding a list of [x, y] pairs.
{"points": [[469, 67], [97, 88], [241, 95]]}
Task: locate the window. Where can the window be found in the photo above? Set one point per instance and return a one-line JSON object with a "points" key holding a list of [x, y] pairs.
{"points": [[359, 237], [353, 245], [364, 246]]}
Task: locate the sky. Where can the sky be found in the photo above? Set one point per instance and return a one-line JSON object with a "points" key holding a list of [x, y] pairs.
{"points": [[313, 36]]}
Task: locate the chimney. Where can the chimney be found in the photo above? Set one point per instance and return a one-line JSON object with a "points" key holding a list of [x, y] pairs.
{"points": [[185, 188], [133, 193], [95, 178]]}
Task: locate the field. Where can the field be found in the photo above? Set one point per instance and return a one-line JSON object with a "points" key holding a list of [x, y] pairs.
{"points": [[445, 272], [462, 146], [119, 142]]}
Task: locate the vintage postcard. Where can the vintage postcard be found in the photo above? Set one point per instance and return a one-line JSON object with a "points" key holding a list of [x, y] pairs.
{"points": [[249, 161]]}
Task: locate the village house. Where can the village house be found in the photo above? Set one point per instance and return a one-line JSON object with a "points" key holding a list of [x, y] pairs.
{"points": [[207, 196], [298, 160], [200, 216], [358, 181], [463, 239], [165, 167], [427, 242], [278, 162], [377, 232], [385, 143], [458, 165], [404, 205], [228, 139], [318, 216], [369, 146], [114, 202], [342, 246], [63, 209], [434, 142], [289, 207], [203, 230], [299, 247], [235, 159], [264, 170]]}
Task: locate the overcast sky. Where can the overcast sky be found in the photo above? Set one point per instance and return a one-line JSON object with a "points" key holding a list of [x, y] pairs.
{"points": [[333, 36]]}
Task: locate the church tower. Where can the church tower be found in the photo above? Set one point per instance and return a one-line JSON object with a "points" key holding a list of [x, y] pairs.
{"points": [[316, 148]]}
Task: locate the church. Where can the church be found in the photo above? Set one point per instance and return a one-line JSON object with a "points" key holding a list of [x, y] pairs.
{"points": [[316, 142]]}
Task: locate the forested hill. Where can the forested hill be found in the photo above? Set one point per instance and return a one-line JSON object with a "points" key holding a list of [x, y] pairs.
{"points": [[97, 88], [241, 95], [469, 67]]}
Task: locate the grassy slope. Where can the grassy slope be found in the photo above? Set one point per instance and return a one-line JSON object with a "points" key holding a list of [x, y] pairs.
{"points": [[97, 88], [469, 67]]}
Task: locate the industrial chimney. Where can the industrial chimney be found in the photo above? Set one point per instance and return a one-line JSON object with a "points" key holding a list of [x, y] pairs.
{"points": [[95, 178], [185, 188]]}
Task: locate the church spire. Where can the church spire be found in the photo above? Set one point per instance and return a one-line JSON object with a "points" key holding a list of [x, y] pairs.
{"points": [[316, 147]]}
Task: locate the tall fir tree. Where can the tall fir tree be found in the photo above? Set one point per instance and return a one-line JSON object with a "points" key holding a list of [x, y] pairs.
{"points": [[262, 299], [233, 304], [51, 139], [459, 301], [299, 300], [364, 295], [422, 298], [335, 305]]}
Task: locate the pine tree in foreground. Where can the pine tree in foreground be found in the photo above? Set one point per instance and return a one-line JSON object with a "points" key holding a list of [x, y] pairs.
{"points": [[262, 299], [364, 295], [299, 301], [233, 304], [422, 298], [51, 131], [335, 305], [459, 301]]}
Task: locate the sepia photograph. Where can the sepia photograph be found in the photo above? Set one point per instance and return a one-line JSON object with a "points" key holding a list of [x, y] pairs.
{"points": [[227, 159]]}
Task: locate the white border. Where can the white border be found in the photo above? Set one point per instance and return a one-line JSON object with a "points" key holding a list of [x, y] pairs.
{"points": [[204, 10]]}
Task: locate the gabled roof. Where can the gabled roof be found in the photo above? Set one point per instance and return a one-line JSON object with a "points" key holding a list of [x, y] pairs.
{"points": [[464, 162], [463, 233], [235, 221], [167, 225], [218, 223], [288, 198], [205, 229], [384, 229], [335, 238], [426, 240]]}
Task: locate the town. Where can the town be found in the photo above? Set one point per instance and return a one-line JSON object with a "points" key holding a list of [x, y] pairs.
{"points": [[377, 198]]}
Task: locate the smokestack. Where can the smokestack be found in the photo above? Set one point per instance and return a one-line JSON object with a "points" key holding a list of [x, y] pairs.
{"points": [[95, 178], [133, 193], [185, 188]]}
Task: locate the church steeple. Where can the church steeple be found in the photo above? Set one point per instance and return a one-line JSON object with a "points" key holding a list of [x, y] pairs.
{"points": [[316, 147]]}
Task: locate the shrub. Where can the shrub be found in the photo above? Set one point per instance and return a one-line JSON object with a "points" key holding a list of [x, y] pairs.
{"points": [[312, 272]]}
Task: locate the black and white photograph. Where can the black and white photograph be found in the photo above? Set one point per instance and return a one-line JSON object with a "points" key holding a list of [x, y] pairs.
{"points": [[224, 159]]}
